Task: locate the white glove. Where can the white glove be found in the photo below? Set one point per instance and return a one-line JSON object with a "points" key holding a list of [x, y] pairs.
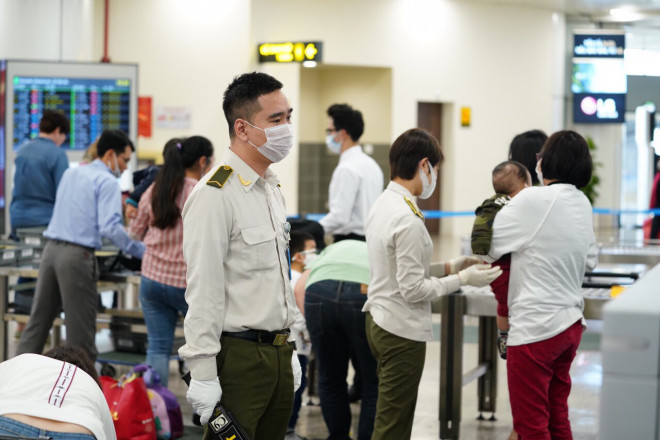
{"points": [[297, 371], [203, 395], [479, 275], [463, 262]]}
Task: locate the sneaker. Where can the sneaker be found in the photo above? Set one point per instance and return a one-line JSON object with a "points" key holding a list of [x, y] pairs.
{"points": [[293, 436], [501, 344]]}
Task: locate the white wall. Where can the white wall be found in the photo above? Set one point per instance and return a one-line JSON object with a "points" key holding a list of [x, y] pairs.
{"points": [[498, 59], [188, 52], [49, 30]]}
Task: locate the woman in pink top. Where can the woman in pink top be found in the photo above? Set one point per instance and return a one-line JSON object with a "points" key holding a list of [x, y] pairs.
{"points": [[158, 224]]}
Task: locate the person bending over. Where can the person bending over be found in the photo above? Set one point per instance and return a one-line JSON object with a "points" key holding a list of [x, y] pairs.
{"points": [[56, 395]]}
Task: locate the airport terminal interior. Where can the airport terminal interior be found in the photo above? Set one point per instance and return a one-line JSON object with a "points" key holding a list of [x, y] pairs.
{"points": [[473, 73]]}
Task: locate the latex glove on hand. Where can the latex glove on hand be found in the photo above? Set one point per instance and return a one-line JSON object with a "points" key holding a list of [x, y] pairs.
{"points": [[297, 371], [479, 275], [463, 262], [203, 395]]}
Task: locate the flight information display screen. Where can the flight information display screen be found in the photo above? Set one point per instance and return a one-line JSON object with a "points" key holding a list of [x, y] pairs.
{"points": [[92, 105]]}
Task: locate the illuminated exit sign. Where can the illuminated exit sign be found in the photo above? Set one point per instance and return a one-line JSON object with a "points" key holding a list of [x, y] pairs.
{"points": [[296, 52]]}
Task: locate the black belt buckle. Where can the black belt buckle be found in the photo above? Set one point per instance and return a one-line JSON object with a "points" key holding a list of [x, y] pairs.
{"points": [[280, 339]]}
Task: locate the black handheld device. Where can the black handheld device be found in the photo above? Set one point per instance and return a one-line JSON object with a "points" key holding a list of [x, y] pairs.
{"points": [[222, 422]]}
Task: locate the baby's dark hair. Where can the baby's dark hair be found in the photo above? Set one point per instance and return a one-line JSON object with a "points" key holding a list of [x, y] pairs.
{"points": [[508, 175]]}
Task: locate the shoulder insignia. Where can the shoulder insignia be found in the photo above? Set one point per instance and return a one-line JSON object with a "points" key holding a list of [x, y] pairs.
{"points": [[417, 212], [244, 182], [279, 185], [219, 178]]}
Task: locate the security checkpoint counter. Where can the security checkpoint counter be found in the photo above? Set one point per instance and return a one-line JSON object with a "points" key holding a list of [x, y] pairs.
{"points": [[125, 283]]}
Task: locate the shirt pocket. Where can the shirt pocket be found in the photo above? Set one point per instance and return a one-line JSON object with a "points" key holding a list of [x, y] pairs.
{"points": [[259, 250]]}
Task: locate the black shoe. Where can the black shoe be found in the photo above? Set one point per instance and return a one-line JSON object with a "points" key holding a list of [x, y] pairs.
{"points": [[196, 420]]}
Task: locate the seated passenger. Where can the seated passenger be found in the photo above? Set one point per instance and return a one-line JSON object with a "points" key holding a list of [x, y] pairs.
{"points": [[56, 395]]}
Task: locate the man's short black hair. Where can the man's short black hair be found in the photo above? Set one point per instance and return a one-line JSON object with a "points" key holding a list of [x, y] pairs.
{"points": [[298, 240], [409, 149], [524, 148], [113, 140], [76, 356], [565, 157], [345, 117], [241, 99], [52, 120]]}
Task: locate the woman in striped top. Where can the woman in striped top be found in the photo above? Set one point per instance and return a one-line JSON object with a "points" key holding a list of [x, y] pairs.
{"points": [[158, 224]]}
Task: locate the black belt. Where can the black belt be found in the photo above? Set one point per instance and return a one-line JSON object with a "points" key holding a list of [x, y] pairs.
{"points": [[278, 337], [68, 243]]}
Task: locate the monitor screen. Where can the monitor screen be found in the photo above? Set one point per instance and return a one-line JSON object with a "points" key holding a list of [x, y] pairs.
{"points": [[91, 104], [599, 83], [94, 96]]}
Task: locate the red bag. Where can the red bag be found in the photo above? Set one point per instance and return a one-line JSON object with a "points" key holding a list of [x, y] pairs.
{"points": [[130, 407]]}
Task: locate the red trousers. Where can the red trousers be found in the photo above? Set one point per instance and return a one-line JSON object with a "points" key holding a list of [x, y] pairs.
{"points": [[539, 385]]}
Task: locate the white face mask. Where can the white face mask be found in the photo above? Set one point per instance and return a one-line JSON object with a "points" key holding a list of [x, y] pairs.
{"points": [[427, 187], [310, 256], [116, 170], [279, 140], [539, 173], [332, 144]]}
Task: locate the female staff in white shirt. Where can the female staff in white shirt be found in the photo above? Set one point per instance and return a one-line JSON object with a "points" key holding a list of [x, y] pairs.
{"points": [[403, 283], [549, 232]]}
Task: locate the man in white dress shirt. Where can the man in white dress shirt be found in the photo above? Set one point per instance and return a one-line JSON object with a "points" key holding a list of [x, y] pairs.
{"points": [[356, 182]]}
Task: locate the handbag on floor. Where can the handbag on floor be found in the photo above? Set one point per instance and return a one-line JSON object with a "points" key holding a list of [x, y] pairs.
{"points": [[152, 381], [130, 407]]}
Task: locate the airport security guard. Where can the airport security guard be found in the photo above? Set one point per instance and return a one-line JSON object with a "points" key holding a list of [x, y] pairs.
{"points": [[235, 242], [403, 283]]}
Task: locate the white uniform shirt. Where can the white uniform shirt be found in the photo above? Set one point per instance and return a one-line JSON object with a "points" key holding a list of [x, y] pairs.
{"points": [[234, 244], [400, 249], [40, 386], [355, 185], [549, 232]]}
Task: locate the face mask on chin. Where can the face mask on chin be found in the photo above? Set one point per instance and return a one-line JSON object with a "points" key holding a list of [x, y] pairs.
{"points": [[332, 144], [427, 187], [279, 140]]}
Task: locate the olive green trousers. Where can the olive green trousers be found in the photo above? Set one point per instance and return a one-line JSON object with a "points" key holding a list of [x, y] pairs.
{"points": [[257, 386], [400, 363]]}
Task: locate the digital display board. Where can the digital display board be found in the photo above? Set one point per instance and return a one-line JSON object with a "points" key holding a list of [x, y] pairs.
{"points": [[91, 104], [291, 52], [599, 82]]}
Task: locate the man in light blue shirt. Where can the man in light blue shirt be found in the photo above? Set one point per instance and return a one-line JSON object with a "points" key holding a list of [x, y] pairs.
{"points": [[38, 168], [87, 208]]}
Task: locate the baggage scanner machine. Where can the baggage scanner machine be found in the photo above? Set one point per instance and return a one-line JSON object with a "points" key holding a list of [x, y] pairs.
{"points": [[630, 399]]}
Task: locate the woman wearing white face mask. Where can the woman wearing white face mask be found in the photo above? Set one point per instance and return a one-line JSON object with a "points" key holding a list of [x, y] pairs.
{"points": [[158, 223], [403, 282]]}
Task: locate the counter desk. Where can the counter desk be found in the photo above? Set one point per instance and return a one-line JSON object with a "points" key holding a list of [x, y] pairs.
{"points": [[125, 283]]}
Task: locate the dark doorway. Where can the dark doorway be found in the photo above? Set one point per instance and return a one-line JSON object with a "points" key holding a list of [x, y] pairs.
{"points": [[429, 117]]}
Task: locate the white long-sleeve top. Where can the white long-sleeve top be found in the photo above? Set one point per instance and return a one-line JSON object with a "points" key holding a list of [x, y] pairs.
{"points": [[40, 386], [401, 288], [355, 185], [549, 232]]}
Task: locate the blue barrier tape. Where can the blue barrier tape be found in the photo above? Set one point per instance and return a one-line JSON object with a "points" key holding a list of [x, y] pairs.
{"points": [[445, 214]]}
